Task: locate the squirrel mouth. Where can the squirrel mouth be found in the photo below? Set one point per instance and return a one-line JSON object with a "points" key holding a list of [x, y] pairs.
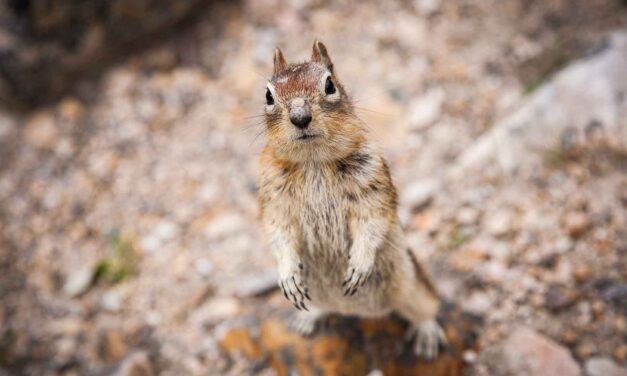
{"points": [[305, 137]]}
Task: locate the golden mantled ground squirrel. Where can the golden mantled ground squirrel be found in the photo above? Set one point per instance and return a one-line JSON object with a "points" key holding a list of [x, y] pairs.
{"points": [[328, 208]]}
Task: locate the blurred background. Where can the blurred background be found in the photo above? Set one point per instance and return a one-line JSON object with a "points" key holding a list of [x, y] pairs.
{"points": [[129, 236]]}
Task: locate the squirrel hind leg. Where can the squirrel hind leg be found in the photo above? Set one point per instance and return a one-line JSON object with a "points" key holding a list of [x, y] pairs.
{"points": [[429, 337], [305, 323], [417, 303]]}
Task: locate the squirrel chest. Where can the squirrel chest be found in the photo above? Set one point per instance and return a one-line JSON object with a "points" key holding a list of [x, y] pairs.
{"points": [[320, 199]]}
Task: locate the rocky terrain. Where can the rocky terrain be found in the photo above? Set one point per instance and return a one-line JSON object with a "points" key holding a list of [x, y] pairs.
{"points": [[129, 240]]}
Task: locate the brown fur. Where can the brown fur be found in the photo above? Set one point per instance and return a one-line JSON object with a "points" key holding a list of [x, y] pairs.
{"points": [[420, 273]]}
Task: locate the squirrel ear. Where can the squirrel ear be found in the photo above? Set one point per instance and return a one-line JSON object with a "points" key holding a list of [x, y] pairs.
{"points": [[279, 61], [320, 55]]}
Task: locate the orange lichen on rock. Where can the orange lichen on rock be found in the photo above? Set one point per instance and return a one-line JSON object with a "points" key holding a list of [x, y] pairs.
{"points": [[352, 346]]}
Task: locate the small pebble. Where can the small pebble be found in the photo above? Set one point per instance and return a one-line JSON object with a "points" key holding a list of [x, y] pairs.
{"points": [[577, 224], [79, 281], [599, 366]]}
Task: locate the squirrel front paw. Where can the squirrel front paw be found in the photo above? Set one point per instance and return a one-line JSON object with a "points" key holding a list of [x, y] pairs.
{"points": [[357, 275], [294, 288]]}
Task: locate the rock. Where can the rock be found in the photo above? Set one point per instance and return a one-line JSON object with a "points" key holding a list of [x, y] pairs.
{"points": [[79, 282], [468, 216], [498, 223], [153, 317], [598, 309], [136, 364], [41, 131], [479, 302], [621, 191], [559, 298], [112, 301], [576, 224], [427, 7], [7, 127], [224, 225], [519, 142], [564, 244], [258, 285], [470, 356], [617, 294], [468, 258], [426, 110], [150, 243], [584, 313], [495, 271], [166, 230], [195, 300], [215, 310], [352, 346], [599, 366], [66, 327], [526, 352], [262, 10], [585, 349], [112, 345], [203, 267], [582, 273], [161, 233], [66, 347], [64, 147], [71, 109], [570, 336], [620, 353], [161, 58], [264, 48], [419, 194]]}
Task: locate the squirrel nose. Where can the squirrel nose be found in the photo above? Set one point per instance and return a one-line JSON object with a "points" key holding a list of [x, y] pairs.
{"points": [[300, 115], [300, 120]]}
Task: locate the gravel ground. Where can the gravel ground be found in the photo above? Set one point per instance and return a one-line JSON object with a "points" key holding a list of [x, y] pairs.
{"points": [[128, 217]]}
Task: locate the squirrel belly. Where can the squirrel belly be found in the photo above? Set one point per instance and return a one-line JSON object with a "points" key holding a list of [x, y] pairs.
{"points": [[326, 200]]}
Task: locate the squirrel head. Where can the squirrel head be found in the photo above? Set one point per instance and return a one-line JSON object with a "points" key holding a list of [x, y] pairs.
{"points": [[309, 116]]}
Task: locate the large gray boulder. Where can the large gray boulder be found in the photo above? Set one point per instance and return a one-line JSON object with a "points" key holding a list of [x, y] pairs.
{"points": [[587, 100]]}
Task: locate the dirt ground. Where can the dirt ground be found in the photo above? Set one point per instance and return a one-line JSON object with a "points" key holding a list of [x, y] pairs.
{"points": [[128, 217]]}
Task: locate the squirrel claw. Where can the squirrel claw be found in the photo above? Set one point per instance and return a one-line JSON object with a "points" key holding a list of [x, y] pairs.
{"points": [[354, 281], [295, 290]]}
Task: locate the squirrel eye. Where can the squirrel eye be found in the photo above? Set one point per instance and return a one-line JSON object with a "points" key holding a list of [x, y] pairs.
{"points": [[329, 88], [269, 98]]}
